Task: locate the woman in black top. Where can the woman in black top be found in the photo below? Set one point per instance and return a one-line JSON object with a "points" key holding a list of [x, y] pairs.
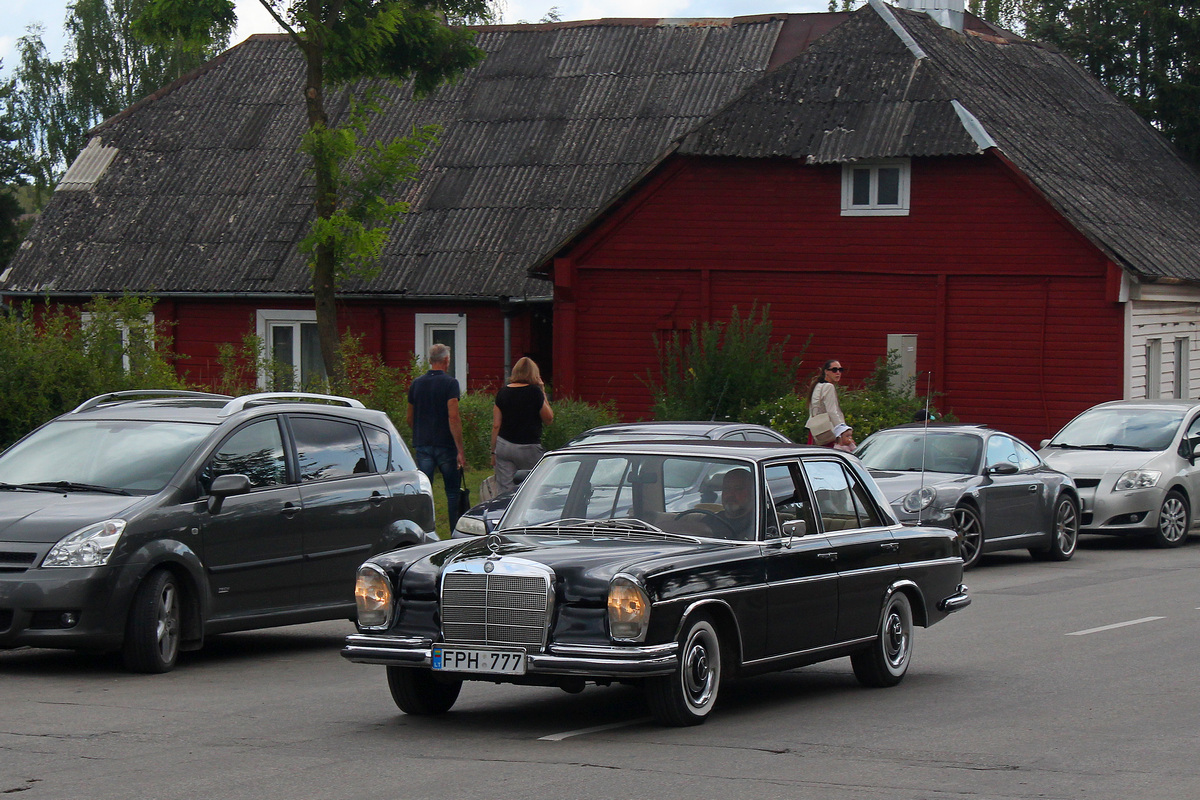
{"points": [[521, 409]]}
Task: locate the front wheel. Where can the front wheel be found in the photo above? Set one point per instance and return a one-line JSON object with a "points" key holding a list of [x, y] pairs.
{"points": [[416, 691], [1065, 534], [970, 533], [688, 695], [153, 628], [885, 662], [1173, 520]]}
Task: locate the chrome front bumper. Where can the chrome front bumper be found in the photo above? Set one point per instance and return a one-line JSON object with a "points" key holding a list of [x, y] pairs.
{"points": [[586, 661]]}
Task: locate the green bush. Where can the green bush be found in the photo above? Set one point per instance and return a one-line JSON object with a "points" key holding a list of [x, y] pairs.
{"points": [[720, 371], [51, 361], [573, 417], [874, 406]]}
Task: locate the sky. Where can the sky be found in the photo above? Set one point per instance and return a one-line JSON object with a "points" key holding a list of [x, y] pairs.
{"points": [[252, 18]]}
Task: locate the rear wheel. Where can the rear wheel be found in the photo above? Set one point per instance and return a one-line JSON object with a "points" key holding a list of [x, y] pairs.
{"points": [[688, 695], [1065, 533], [416, 691], [153, 628], [1173, 519], [970, 533], [886, 661]]}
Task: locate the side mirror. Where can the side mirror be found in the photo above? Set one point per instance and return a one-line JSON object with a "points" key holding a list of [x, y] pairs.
{"points": [[226, 486], [1045, 443], [796, 527], [1003, 468], [1187, 449], [520, 475]]}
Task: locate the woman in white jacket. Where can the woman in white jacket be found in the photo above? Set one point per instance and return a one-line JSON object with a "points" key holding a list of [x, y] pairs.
{"points": [[824, 400]]}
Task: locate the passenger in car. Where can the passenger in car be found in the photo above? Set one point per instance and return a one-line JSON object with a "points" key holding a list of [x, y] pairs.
{"points": [[737, 501]]}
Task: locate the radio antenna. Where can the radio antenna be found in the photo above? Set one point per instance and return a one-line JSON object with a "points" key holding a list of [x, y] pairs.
{"points": [[924, 447]]}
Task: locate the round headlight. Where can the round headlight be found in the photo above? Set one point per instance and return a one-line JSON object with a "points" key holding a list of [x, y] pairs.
{"points": [[628, 610], [471, 526], [373, 596], [919, 499], [87, 547]]}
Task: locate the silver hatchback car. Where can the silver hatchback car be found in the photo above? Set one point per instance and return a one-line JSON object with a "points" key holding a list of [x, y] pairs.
{"points": [[1134, 462]]}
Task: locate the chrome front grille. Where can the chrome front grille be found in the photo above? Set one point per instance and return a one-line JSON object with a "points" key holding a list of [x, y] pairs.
{"points": [[511, 605]]}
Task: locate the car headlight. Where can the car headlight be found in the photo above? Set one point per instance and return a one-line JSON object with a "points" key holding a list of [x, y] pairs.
{"points": [[1137, 479], [919, 499], [87, 547], [373, 596], [471, 526], [628, 610]]}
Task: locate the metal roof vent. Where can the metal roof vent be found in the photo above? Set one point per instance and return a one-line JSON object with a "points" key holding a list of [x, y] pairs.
{"points": [[87, 167], [947, 13]]}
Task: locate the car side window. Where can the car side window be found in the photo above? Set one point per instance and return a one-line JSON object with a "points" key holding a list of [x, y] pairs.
{"points": [[1002, 450], [328, 448], [1026, 458], [761, 436], [381, 447], [255, 451], [789, 498], [736, 436], [1193, 433], [842, 501]]}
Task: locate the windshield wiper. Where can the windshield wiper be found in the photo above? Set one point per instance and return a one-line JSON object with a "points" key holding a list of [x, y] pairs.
{"points": [[71, 486], [1113, 447]]}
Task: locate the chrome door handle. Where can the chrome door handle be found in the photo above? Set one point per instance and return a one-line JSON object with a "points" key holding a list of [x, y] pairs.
{"points": [[376, 498], [1033, 487], [890, 546], [290, 510], [827, 556]]}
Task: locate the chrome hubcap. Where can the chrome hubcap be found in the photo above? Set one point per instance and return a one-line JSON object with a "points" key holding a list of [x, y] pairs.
{"points": [[167, 625], [895, 640], [1067, 529], [1172, 519], [699, 673]]}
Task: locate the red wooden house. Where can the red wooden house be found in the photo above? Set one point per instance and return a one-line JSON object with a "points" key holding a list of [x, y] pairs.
{"points": [[975, 201]]}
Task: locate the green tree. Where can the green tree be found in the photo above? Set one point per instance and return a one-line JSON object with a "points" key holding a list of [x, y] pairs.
{"points": [[104, 69], [11, 173], [347, 44]]}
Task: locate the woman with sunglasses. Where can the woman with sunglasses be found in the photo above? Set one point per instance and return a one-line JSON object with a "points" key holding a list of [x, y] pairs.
{"points": [[824, 413]]}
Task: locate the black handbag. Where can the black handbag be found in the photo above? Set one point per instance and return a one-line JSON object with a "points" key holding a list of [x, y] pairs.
{"points": [[464, 494]]}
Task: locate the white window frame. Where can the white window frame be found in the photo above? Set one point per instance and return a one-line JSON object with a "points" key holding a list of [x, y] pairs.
{"points": [[85, 318], [1153, 369], [423, 327], [874, 208], [267, 318], [1183, 372]]}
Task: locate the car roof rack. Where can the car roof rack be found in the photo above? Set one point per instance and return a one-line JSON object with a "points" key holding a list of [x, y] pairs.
{"points": [[239, 403], [129, 395]]}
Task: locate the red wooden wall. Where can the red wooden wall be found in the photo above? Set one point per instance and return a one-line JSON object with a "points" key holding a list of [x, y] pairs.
{"points": [[1015, 320]]}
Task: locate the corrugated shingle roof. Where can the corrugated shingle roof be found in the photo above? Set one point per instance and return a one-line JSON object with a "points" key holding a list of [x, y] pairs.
{"points": [[207, 192], [861, 92]]}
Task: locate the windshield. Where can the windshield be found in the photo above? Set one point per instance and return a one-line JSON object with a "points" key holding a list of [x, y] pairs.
{"points": [[137, 457], [695, 495], [1118, 428], [912, 451]]}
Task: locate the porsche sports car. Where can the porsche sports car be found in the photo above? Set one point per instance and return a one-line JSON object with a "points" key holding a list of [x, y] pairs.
{"points": [[674, 566], [987, 485]]}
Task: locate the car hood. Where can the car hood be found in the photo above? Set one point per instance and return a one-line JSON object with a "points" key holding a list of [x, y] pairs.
{"points": [[583, 566], [895, 485], [45, 517], [1096, 463]]}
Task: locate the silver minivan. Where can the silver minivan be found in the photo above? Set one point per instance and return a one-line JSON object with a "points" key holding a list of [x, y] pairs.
{"points": [[1134, 462]]}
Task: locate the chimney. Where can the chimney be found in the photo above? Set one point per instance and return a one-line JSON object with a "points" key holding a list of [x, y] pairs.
{"points": [[948, 13]]}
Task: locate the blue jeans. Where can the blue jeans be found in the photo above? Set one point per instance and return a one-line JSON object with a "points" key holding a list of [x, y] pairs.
{"points": [[444, 460]]}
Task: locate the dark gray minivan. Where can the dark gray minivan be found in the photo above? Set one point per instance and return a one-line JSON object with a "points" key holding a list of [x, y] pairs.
{"points": [[143, 521]]}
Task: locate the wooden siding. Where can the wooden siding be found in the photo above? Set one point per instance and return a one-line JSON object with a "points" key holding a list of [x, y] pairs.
{"points": [[1166, 322], [1008, 303]]}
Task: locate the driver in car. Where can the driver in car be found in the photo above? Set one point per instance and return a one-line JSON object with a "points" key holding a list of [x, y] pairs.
{"points": [[737, 500]]}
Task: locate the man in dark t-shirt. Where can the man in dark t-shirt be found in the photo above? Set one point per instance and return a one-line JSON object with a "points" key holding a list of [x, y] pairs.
{"points": [[437, 427]]}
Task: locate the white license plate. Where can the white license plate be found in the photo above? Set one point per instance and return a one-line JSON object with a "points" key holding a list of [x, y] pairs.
{"points": [[448, 658]]}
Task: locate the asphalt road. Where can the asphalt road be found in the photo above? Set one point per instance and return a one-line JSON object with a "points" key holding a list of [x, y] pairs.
{"points": [[1060, 681]]}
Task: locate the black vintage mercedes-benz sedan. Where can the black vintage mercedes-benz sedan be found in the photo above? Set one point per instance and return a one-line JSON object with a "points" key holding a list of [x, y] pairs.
{"points": [[672, 565]]}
